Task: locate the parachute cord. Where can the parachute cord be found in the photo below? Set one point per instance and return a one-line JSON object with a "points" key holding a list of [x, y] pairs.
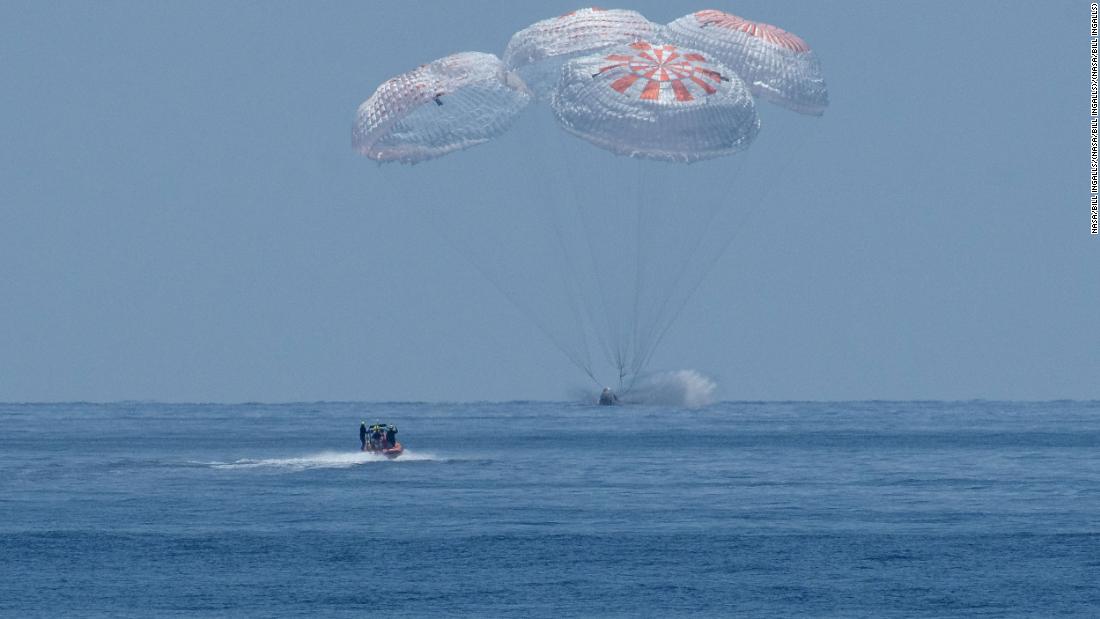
{"points": [[571, 281], [600, 330], [432, 193], [595, 381], [646, 345], [629, 343], [588, 316], [646, 333], [639, 206], [580, 363], [748, 214], [436, 194], [600, 323], [655, 331]]}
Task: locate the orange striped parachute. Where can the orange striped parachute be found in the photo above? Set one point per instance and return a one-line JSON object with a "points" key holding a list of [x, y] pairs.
{"points": [[777, 65], [601, 252], [656, 102], [679, 93]]}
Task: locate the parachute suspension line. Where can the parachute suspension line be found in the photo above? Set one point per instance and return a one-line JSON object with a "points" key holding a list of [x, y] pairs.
{"points": [[659, 297], [587, 313], [639, 206], [646, 198], [570, 279], [531, 315], [470, 98], [434, 193], [601, 328], [678, 308], [560, 210], [571, 282], [747, 214], [662, 321], [653, 199], [437, 194]]}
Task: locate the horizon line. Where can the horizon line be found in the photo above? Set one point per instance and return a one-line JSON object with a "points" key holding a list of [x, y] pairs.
{"points": [[497, 402]]}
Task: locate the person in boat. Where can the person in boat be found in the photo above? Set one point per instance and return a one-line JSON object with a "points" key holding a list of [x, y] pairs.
{"points": [[391, 435], [362, 436], [608, 397], [376, 436]]}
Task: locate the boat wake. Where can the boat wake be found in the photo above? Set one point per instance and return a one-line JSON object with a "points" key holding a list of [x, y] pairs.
{"points": [[323, 460]]}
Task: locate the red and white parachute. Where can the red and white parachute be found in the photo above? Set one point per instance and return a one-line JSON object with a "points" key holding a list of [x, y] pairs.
{"points": [[538, 52], [657, 102], [632, 237], [447, 105], [613, 78], [776, 64]]}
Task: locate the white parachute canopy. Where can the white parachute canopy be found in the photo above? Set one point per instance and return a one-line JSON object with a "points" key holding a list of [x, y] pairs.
{"points": [[538, 52], [601, 252], [450, 104], [640, 232], [657, 102], [777, 65]]}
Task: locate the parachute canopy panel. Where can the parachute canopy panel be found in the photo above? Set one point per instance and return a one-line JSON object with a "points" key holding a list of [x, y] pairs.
{"points": [[538, 52], [657, 102], [777, 65], [450, 104]]}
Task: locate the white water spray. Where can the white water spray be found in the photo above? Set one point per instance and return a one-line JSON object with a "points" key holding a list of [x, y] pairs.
{"points": [[679, 388], [323, 460]]}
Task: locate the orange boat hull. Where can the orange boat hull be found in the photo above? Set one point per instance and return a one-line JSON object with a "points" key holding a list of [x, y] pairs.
{"points": [[389, 452]]}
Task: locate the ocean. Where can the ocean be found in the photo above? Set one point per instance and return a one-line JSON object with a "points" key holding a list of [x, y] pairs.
{"points": [[532, 509]]}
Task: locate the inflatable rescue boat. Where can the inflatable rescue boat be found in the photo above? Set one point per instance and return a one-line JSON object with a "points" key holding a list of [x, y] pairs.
{"points": [[389, 452]]}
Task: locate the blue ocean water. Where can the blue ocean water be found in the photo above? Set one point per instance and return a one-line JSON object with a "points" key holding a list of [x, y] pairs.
{"points": [[872, 509]]}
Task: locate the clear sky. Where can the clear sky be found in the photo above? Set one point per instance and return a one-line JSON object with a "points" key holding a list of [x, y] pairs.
{"points": [[182, 217]]}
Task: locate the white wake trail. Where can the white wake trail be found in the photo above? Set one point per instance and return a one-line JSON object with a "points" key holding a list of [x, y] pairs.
{"points": [[323, 460]]}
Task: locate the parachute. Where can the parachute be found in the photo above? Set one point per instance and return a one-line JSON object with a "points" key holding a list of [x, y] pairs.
{"points": [[776, 64], [538, 52], [450, 104], [601, 252], [657, 102]]}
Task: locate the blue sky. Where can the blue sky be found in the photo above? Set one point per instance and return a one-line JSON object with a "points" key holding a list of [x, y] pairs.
{"points": [[182, 216]]}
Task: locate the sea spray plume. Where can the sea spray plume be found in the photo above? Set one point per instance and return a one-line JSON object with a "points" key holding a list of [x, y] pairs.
{"points": [[679, 388]]}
